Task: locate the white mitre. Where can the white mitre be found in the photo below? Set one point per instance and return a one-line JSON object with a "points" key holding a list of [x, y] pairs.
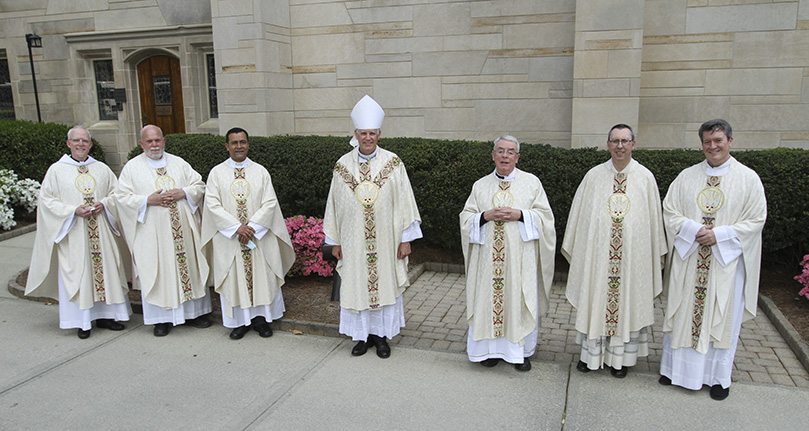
{"points": [[366, 115]]}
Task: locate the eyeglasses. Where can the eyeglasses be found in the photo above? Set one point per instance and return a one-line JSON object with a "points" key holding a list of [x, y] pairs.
{"points": [[76, 141], [620, 141], [510, 153]]}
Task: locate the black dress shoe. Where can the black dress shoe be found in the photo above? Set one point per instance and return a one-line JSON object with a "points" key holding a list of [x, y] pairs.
{"points": [[162, 329], [581, 366], [263, 329], [719, 393], [663, 380], [619, 373], [83, 334], [359, 349], [382, 347], [109, 324], [200, 322], [238, 333], [488, 363], [525, 366]]}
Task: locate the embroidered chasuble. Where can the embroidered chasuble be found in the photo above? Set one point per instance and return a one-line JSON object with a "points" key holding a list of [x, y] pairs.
{"points": [[234, 196], [370, 205], [508, 280], [699, 287], [88, 255], [169, 264], [614, 242]]}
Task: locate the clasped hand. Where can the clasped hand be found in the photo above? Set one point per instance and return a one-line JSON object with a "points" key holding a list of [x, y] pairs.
{"points": [[502, 214], [165, 198], [85, 211]]}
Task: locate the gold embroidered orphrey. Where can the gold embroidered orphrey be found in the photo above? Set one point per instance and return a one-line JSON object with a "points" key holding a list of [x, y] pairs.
{"points": [[369, 214], [165, 182], [618, 205], [366, 193], [503, 196], [240, 189], [86, 184], [710, 200]]}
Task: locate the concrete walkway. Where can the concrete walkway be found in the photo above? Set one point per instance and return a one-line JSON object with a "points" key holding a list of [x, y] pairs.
{"points": [[200, 379]]}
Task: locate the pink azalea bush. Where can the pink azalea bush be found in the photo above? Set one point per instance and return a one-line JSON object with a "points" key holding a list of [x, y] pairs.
{"points": [[803, 277], [307, 238]]}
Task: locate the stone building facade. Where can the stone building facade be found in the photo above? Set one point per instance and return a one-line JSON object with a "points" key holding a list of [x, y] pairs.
{"points": [[552, 71]]}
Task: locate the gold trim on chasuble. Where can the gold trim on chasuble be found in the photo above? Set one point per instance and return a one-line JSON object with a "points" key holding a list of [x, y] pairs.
{"points": [[709, 200], [165, 183], [618, 205], [86, 184], [240, 189], [501, 198], [366, 191]]}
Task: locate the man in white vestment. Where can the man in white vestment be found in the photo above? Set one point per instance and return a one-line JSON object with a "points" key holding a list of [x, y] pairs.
{"points": [[251, 247], [158, 197], [76, 256], [508, 242], [615, 243], [371, 217], [714, 213]]}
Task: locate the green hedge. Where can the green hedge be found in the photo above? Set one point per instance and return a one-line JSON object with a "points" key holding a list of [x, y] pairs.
{"points": [[30, 148], [442, 173]]}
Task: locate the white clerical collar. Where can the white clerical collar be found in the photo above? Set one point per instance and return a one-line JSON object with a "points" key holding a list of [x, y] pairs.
{"points": [[159, 163], [363, 158], [242, 164], [615, 170], [719, 170], [508, 177], [73, 162]]}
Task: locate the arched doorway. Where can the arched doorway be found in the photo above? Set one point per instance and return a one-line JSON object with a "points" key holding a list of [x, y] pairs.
{"points": [[161, 93]]}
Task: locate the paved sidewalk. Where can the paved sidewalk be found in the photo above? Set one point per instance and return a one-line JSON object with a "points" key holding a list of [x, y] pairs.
{"points": [[436, 319]]}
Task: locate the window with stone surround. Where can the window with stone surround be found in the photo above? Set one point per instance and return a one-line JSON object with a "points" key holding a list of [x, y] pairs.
{"points": [[6, 98], [211, 73], [105, 90]]}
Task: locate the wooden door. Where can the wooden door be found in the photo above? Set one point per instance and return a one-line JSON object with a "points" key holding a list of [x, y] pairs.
{"points": [[161, 101]]}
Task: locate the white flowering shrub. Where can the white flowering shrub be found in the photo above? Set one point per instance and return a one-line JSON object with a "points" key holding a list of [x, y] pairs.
{"points": [[15, 193]]}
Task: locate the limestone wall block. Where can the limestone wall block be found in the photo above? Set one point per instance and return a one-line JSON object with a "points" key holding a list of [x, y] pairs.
{"points": [[596, 116], [669, 92], [545, 35], [495, 91], [119, 19], [26, 6], [311, 99], [664, 135], [672, 79], [683, 109], [236, 59], [448, 119], [442, 19], [325, 126], [709, 51], [755, 49], [448, 63], [590, 64], [609, 15], [517, 116], [315, 80], [765, 99], [55, 7], [404, 45], [745, 140], [237, 96], [407, 92], [605, 88], [506, 66], [319, 15], [381, 14], [551, 68], [395, 126], [664, 17], [224, 35], [741, 18], [624, 63], [753, 81], [268, 56], [470, 42], [274, 12], [385, 58], [328, 49], [374, 70], [521, 7], [274, 100], [226, 8], [775, 117]]}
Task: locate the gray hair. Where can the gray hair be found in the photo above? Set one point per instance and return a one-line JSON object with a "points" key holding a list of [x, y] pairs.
{"points": [[74, 128], [621, 126], [150, 125], [714, 125], [506, 138]]}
